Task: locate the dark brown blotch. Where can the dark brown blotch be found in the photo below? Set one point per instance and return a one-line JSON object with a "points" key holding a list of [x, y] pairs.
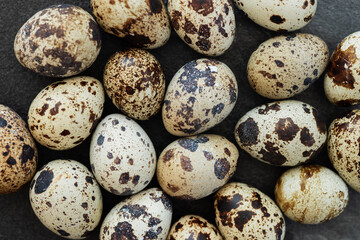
{"points": [[63, 233], [11, 161], [43, 110], [248, 132], [186, 164], [168, 155], [124, 178], [95, 33], [89, 180], [306, 137], [189, 27], [277, 19], [272, 155], [286, 129], [279, 63], [203, 7], [225, 204], [307, 172], [308, 18], [65, 132], [27, 154], [221, 168], [155, 6], [242, 218], [43, 181], [55, 109], [123, 231]]}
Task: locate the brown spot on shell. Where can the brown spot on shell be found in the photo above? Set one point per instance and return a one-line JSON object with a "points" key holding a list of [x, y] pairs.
{"points": [[278, 228], [221, 168], [308, 18], [279, 63], [277, 19], [27, 154], [225, 204], [272, 155], [203, 44], [46, 30], [312, 2], [43, 181], [186, 163], [43, 109], [273, 107], [286, 129], [321, 125], [175, 17], [65, 132], [306, 137], [248, 132], [155, 6], [55, 110], [307, 172], [189, 27], [173, 188], [220, 23], [168, 155], [242, 218], [203, 7], [306, 3], [123, 231], [268, 75], [124, 178]]}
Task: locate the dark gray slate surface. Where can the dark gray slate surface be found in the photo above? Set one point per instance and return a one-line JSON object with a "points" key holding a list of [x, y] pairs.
{"points": [[333, 21]]}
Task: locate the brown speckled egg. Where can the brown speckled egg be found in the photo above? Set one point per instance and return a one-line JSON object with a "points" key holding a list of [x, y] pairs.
{"points": [[122, 156], [64, 113], [207, 26], [283, 133], [146, 215], [311, 194], [342, 78], [193, 227], [135, 83], [58, 41], [284, 66], [344, 147], [244, 212], [194, 167], [144, 23], [66, 198], [200, 95], [281, 16], [18, 159]]}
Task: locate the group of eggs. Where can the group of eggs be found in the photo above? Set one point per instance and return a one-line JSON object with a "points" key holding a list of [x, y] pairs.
{"points": [[64, 40]]}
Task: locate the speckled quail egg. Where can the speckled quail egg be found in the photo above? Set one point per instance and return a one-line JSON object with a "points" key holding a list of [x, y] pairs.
{"points": [[146, 215], [283, 133], [244, 212], [144, 23], [342, 78], [281, 16], [207, 26], [135, 83], [64, 113], [18, 159], [58, 41], [122, 156], [193, 227], [66, 198], [284, 66], [200, 95], [311, 194], [194, 167]]}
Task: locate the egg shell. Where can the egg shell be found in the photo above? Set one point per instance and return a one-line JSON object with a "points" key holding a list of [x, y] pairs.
{"points": [[122, 156], [194, 167], [342, 78], [64, 113], [146, 215], [207, 26], [281, 16], [244, 212], [58, 41], [18, 160], [283, 133], [284, 66], [311, 194], [135, 83], [193, 227], [66, 198], [144, 23], [200, 95]]}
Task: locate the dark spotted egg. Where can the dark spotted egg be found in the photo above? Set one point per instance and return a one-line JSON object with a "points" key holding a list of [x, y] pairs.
{"points": [[18, 159], [194, 167], [244, 212], [146, 215], [283, 133], [58, 41], [66, 198], [65, 113]]}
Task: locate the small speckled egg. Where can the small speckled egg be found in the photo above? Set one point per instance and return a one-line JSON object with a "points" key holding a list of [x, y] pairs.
{"points": [[18, 159], [207, 26], [58, 41], [200, 95], [135, 83], [284, 66], [311, 194], [283, 133], [342, 78], [66, 198], [193, 227], [244, 212], [146, 215], [281, 16], [122, 156], [64, 113], [194, 167], [144, 23]]}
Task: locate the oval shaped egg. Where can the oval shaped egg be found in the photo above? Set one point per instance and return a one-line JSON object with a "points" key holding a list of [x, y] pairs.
{"points": [[122, 156], [311, 194], [194, 167], [66, 198], [283, 133], [144, 23], [64, 113], [244, 212], [289, 15], [342, 78], [207, 26], [135, 83], [200, 95], [58, 41], [284, 66], [18, 160], [146, 215]]}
